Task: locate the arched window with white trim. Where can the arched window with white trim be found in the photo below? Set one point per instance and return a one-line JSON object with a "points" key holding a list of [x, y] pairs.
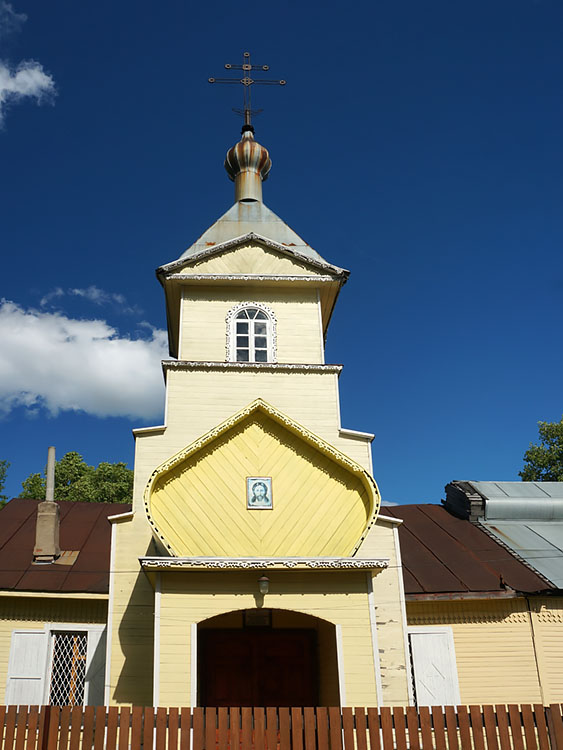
{"points": [[251, 333]]}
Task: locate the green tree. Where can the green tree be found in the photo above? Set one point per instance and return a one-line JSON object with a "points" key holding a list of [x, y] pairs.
{"points": [[75, 480], [544, 462], [4, 466]]}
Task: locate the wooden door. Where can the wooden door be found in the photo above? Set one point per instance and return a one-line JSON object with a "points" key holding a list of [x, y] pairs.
{"points": [[258, 668]]}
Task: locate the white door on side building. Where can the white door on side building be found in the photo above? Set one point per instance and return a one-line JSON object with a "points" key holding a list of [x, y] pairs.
{"points": [[434, 666]]}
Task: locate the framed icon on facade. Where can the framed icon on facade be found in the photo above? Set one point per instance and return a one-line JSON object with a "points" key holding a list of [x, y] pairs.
{"points": [[259, 493]]}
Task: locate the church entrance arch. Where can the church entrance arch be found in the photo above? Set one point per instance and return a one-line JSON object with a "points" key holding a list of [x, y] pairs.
{"points": [[267, 657]]}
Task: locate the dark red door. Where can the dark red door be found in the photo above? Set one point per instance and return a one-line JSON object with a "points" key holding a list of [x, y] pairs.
{"points": [[258, 668]]}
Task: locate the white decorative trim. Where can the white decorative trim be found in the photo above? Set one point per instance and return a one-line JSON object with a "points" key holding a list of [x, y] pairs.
{"points": [[193, 666], [340, 661], [107, 676], [208, 251], [272, 336], [321, 330], [259, 563], [374, 641], [238, 277], [156, 644], [403, 611], [175, 364]]}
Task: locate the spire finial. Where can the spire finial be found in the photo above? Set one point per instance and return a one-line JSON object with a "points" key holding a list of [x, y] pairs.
{"points": [[247, 81]]}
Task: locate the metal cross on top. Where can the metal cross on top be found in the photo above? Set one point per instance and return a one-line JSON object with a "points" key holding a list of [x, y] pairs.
{"points": [[247, 82]]}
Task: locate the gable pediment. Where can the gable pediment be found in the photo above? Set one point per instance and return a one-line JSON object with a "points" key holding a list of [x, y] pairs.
{"points": [[323, 503]]}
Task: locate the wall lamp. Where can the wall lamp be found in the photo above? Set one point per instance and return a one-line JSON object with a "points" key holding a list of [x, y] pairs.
{"points": [[263, 584]]}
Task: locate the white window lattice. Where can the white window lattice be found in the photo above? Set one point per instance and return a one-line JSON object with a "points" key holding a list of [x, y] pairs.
{"points": [[68, 668], [251, 333]]}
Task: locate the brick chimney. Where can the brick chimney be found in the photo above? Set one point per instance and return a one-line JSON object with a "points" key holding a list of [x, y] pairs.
{"points": [[47, 548]]}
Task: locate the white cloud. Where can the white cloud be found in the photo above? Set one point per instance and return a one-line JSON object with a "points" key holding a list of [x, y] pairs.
{"points": [[27, 80], [92, 294], [10, 21], [53, 362]]}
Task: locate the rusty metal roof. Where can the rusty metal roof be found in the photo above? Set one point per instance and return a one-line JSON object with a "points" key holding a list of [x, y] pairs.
{"points": [[84, 527], [445, 554]]}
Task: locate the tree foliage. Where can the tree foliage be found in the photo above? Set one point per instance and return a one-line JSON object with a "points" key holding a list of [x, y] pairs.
{"points": [[544, 462], [75, 480], [4, 466]]}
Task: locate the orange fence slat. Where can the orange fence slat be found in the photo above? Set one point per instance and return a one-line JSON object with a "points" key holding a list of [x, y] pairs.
{"points": [[374, 728], [53, 734], [100, 728], [555, 725], [322, 729], [464, 724], [124, 722], [515, 727], [21, 727], [451, 727], [541, 727], [334, 728], [400, 728], [10, 731], [361, 727], [234, 723], [246, 728], [198, 727], [387, 728], [426, 728], [161, 727], [136, 727], [88, 728], [185, 728], [477, 728], [259, 729], [148, 728], [529, 728], [173, 729], [310, 729], [271, 728], [111, 733], [76, 716], [222, 728], [412, 727], [64, 723], [285, 733], [490, 727], [210, 728], [297, 729], [503, 731], [32, 728], [439, 728], [348, 728]]}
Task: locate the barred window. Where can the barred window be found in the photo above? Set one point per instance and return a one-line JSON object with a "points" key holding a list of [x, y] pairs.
{"points": [[68, 668]]}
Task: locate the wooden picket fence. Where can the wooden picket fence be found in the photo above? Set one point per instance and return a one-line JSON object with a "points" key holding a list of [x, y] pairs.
{"points": [[498, 727]]}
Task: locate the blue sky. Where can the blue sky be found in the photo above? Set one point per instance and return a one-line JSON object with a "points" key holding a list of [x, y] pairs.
{"points": [[417, 144]]}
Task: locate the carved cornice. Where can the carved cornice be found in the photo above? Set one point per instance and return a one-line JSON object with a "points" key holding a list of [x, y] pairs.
{"points": [[340, 273], [239, 277], [259, 405], [271, 336], [183, 364], [260, 563]]}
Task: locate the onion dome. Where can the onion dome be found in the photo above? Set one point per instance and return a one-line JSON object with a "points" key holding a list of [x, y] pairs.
{"points": [[248, 165]]}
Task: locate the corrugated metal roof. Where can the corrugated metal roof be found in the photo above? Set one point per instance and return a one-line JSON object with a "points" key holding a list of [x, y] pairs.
{"points": [[528, 518], [84, 527], [445, 554]]}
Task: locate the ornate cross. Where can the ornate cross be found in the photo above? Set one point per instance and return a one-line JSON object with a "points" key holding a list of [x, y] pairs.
{"points": [[247, 82]]}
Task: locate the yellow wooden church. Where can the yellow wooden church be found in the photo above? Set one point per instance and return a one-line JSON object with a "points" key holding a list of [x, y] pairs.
{"points": [[254, 567], [253, 552]]}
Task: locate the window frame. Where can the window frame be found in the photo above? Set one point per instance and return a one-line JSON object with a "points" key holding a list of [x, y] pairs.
{"points": [[271, 334]]}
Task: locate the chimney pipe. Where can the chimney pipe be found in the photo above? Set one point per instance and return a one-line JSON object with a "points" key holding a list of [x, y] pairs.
{"points": [[47, 548]]}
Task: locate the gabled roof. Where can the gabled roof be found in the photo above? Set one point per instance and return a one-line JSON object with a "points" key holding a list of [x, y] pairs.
{"points": [[244, 218], [445, 554], [84, 528]]}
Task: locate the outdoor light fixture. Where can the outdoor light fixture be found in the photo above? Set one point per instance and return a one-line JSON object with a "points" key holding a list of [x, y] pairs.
{"points": [[263, 584]]}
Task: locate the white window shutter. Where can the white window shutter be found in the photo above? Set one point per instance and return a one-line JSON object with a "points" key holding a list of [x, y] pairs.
{"points": [[434, 667], [95, 667], [26, 668]]}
